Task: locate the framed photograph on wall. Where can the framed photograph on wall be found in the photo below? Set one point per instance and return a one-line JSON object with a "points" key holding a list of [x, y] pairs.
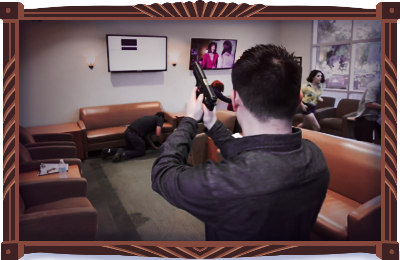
{"points": [[298, 59]]}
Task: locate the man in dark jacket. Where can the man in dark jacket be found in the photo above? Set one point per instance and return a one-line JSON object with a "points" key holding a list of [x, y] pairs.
{"points": [[272, 183], [135, 135]]}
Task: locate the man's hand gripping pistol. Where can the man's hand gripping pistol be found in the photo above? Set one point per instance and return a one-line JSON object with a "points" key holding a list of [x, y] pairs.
{"points": [[210, 100]]}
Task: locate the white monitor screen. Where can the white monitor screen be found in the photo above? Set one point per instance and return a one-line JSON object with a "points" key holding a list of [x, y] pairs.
{"points": [[136, 53]]}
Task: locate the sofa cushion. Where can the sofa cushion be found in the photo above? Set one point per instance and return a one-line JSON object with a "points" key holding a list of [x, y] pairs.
{"points": [[105, 134], [76, 202], [332, 219], [335, 123]]}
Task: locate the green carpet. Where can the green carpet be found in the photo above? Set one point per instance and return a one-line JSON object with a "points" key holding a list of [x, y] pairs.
{"points": [[128, 208]]}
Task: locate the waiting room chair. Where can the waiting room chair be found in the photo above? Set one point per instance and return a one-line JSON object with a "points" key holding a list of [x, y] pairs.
{"points": [[334, 120], [54, 139], [328, 102], [56, 210], [31, 158]]}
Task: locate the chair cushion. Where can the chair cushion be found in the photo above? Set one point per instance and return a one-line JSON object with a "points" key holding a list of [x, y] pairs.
{"points": [[335, 123], [25, 137], [76, 202], [24, 155], [105, 134], [332, 219]]}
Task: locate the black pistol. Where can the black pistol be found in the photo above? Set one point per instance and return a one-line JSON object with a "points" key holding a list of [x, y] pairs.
{"points": [[210, 100]]}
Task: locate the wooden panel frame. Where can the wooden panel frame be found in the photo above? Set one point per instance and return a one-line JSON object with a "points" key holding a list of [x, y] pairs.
{"points": [[12, 13]]}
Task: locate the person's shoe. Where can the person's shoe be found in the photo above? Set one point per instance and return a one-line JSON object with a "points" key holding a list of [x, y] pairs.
{"points": [[104, 153], [118, 156]]}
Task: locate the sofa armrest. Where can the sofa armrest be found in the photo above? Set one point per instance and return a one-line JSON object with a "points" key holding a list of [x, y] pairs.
{"points": [[35, 165], [50, 143], [72, 224], [198, 150], [50, 190], [326, 112], [53, 137], [52, 152], [171, 119], [345, 124], [81, 124], [364, 223]]}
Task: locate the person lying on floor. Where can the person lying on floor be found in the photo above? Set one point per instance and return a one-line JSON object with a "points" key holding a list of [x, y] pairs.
{"points": [[134, 138], [272, 183]]}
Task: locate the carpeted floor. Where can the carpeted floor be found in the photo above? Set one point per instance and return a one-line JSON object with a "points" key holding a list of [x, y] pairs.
{"points": [[128, 209]]}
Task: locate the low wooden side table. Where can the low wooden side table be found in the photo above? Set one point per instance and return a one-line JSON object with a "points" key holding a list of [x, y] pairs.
{"points": [[71, 128], [73, 172]]}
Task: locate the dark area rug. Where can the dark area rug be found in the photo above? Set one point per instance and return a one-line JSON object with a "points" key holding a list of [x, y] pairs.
{"points": [[128, 209]]}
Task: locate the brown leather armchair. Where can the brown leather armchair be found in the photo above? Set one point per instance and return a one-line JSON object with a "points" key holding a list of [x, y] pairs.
{"points": [[328, 102], [334, 120], [228, 118], [31, 158], [198, 153], [56, 139], [56, 210]]}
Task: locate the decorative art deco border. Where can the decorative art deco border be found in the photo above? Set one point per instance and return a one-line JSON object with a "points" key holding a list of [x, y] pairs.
{"points": [[12, 13]]}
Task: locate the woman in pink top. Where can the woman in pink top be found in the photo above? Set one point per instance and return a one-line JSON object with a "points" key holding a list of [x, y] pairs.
{"points": [[210, 59]]}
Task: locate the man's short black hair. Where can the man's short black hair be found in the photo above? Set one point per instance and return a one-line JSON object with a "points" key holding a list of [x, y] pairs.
{"points": [[313, 74], [160, 114], [268, 80]]}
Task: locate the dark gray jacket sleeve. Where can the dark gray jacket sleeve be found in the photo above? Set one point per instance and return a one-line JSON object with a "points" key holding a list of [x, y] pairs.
{"points": [[185, 187], [222, 138]]}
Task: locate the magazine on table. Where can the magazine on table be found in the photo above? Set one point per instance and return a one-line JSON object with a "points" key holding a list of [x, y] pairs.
{"points": [[50, 168]]}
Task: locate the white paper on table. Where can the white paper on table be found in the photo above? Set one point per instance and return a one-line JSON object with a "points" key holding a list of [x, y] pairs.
{"points": [[237, 135], [49, 168]]}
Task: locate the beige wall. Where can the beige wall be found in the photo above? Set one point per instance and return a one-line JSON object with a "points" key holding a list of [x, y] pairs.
{"points": [[55, 80], [296, 36]]}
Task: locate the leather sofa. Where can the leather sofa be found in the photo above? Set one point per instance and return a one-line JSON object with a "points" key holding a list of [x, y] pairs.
{"points": [[352, 207], [328, 102], [334, 120], [104, 126]]}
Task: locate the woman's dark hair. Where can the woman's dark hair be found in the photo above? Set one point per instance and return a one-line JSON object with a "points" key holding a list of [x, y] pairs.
{"points": [[313, 74], [227, 47], [268, 79], [218, 85], [209, 47], [160, 114]]}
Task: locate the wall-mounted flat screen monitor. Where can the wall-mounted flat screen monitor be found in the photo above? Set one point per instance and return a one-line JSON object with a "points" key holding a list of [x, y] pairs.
{"points": [[130, 53], [213, 54]]}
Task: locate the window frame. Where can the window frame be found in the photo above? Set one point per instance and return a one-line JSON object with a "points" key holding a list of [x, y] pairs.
{"points": [[353, 43]]}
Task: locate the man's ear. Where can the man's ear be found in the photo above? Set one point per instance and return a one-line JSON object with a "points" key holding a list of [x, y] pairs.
{"points": [[236, 101]]}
